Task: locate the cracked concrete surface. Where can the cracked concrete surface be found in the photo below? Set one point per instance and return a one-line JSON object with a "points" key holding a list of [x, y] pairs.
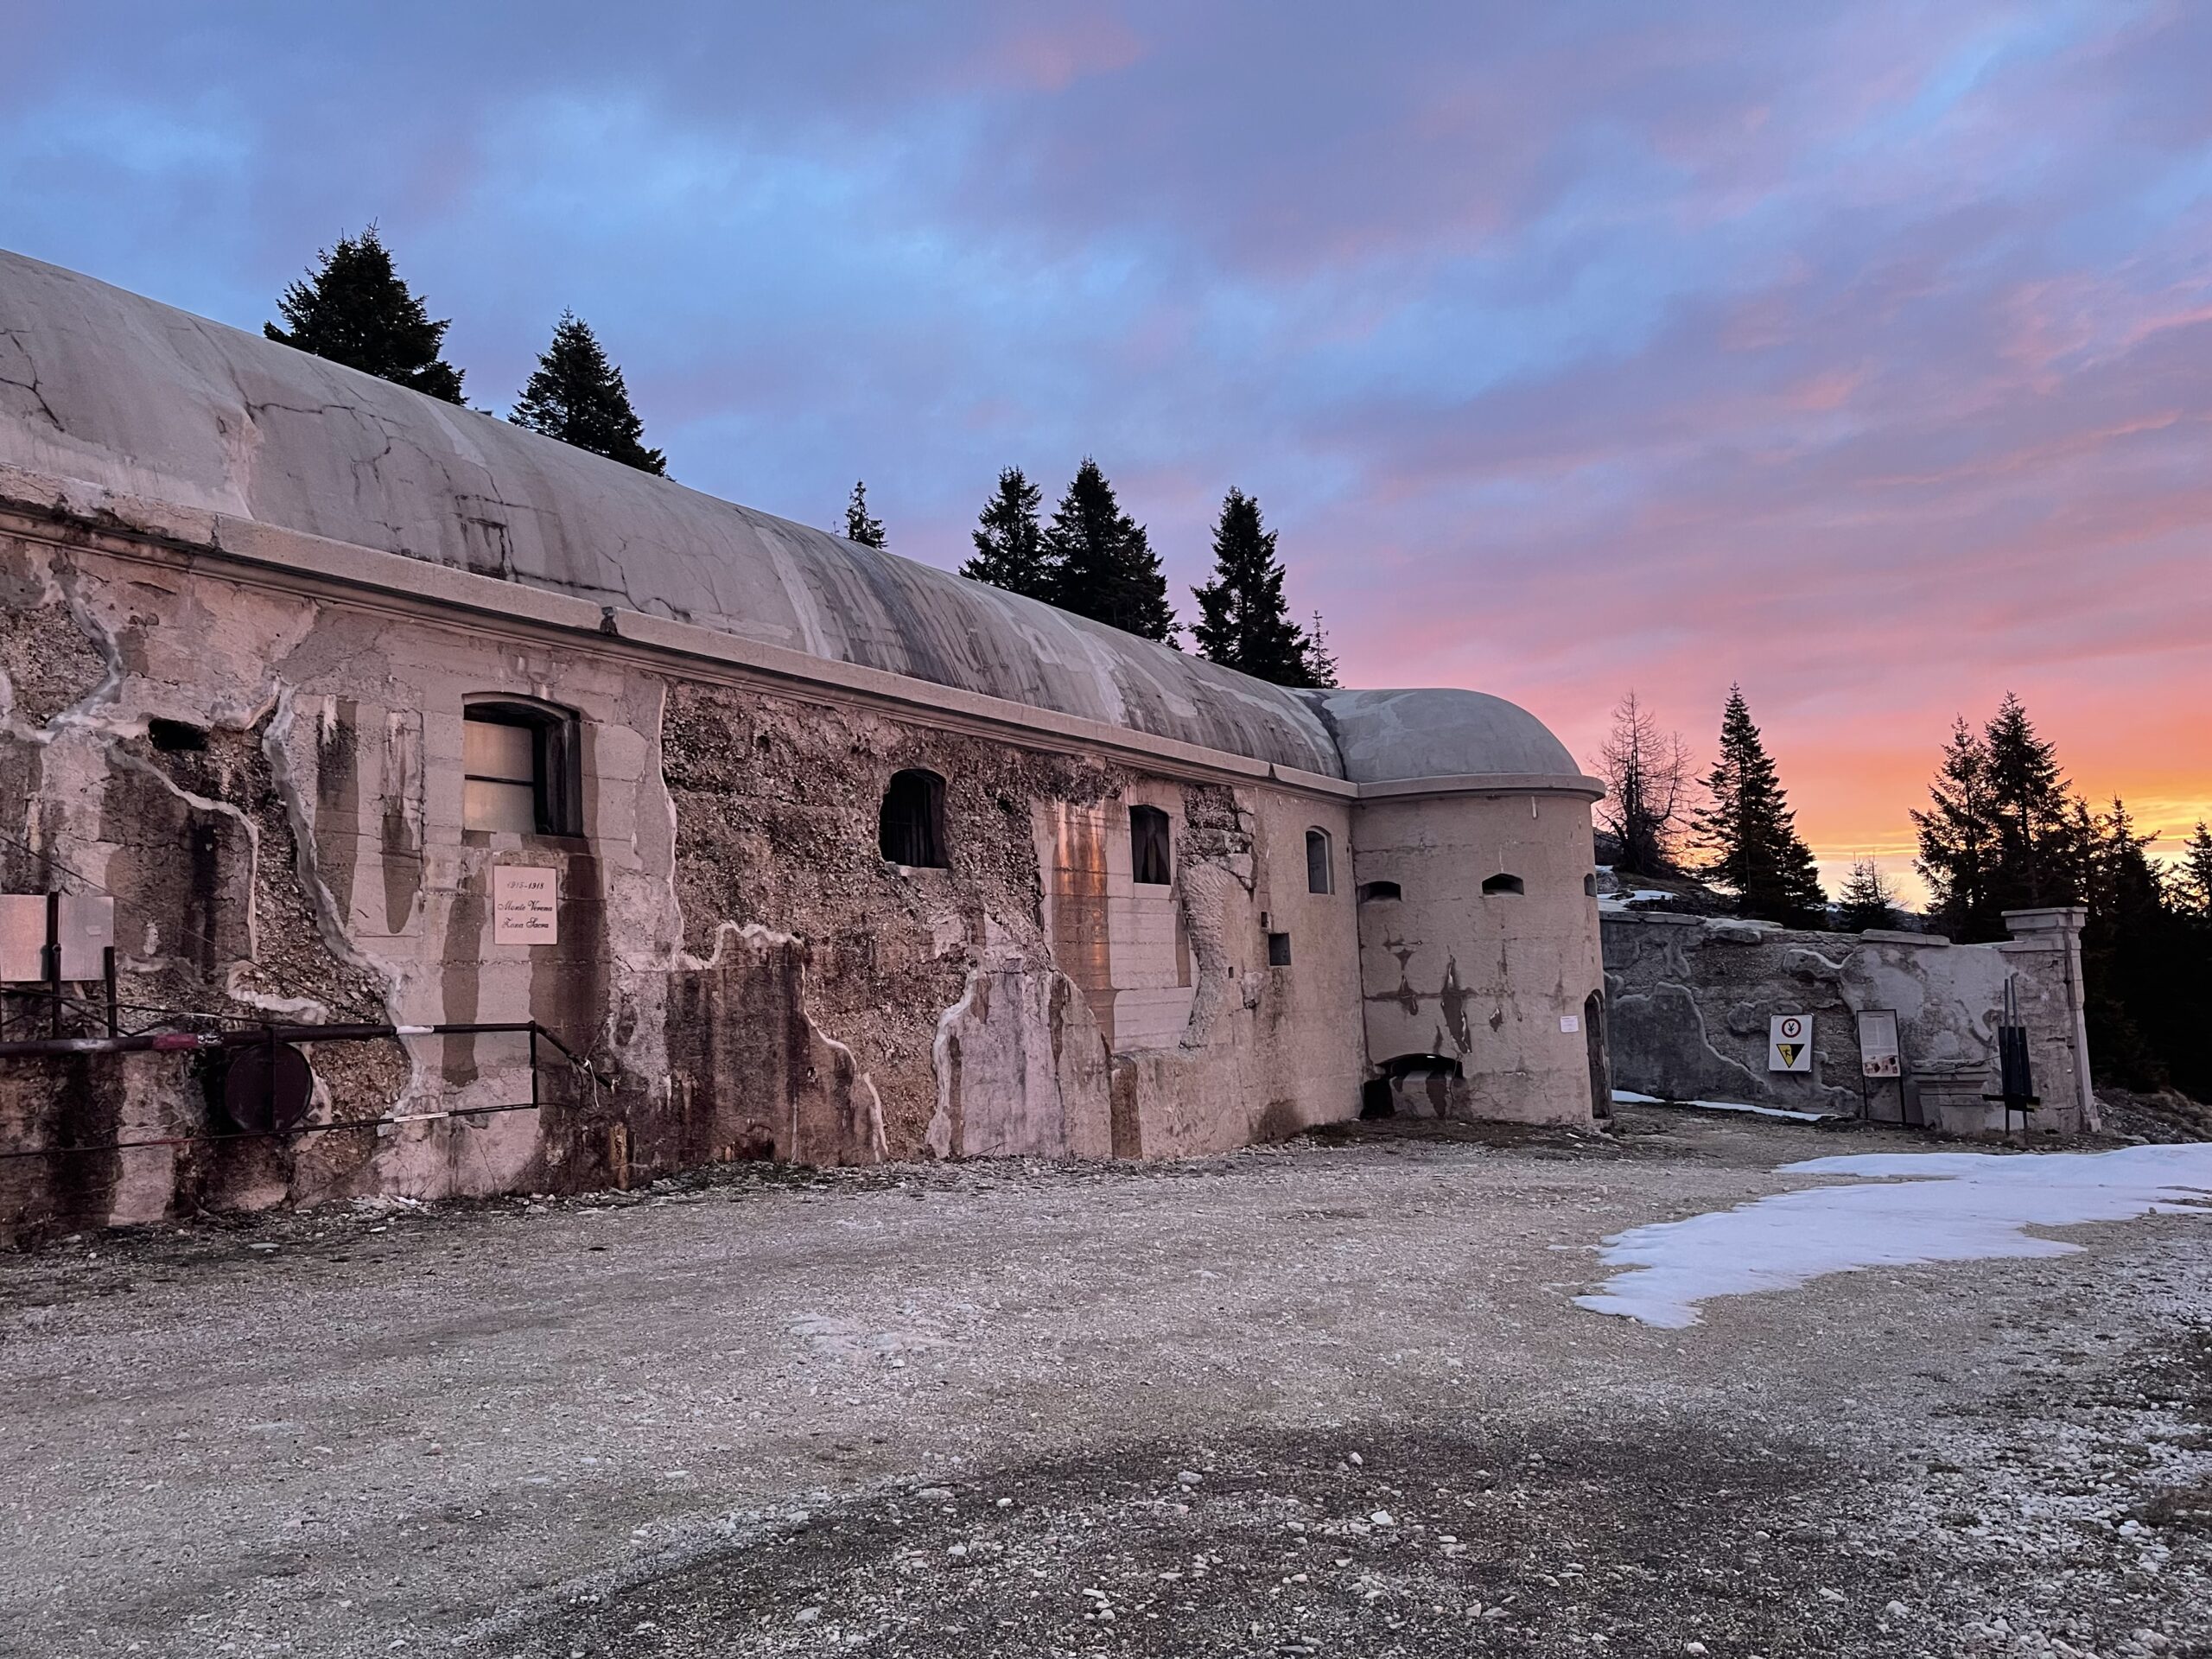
{"points": [[270, 784]]}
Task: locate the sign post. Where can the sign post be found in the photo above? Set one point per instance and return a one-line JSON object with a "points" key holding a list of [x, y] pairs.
{"points": [[1789, 1043], [1880, 1055]]}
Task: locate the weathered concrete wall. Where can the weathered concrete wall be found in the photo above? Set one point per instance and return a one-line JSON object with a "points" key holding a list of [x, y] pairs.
{"points": [[1498, 982], [749, 976], [1691, 1002], [1264, 1046]]}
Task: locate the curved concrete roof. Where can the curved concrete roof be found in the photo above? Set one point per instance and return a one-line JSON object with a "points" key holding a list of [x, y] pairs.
{"points": [[106, 387], [138, 400], [1395, 736]]}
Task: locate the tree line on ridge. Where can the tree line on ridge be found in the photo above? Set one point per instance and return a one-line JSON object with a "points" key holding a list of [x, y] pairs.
{"points": [[1092, 558], [2004, 830]]}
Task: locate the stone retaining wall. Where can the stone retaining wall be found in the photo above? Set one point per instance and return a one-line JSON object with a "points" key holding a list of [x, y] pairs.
{"points": [[1690, 1001]]}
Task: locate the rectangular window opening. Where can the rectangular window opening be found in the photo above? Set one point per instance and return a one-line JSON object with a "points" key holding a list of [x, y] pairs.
{"points": [[1320, 876], [1150, 862], [1278, 949], [520, 771]]}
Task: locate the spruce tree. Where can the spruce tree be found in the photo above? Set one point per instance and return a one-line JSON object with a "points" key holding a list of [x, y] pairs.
{"points": [[1865, 900], [2037, 838], [1749, 833], [2134, 959], [2195, 878], [577, 396], [1242, 620], [1958, 840], [353, 308], [1010, 550], [858, 527], [1320, 661], [1104, 564]]}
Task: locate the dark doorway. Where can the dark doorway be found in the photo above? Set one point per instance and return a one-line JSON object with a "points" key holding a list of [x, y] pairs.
{"points": [[1411, 1086]]}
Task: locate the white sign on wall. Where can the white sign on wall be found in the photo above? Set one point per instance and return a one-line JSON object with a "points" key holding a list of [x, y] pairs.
{"points": [[1878, 1050], [525, 910], [1789, 1043], [1570, 1022], [86, 928]]}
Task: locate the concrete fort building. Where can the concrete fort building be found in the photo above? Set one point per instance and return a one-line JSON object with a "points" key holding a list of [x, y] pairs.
{"points": [[367, 709]]}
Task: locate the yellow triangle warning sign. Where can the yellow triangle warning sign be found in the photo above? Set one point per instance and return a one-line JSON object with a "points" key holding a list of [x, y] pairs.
{"points": [[1789, 1052]]}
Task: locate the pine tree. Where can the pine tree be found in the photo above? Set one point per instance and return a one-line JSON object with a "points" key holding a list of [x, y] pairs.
{"points": [[1867, 899], [353, 308], [1647, 773], [1320, 661], [2001, 833], [2037, 838], [858, 527], [2134, 957], [1958, 840], [577, 396], [1750, 833], [1104, 564], [1242, 620], [2195, 878], [1010, 550]]}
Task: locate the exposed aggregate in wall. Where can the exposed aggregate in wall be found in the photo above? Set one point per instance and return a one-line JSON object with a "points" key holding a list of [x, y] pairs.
{"points": [[269, 785], [776, 805], [222, 915]]}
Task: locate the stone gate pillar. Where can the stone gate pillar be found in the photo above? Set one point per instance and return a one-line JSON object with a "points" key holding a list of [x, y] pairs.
{"points": [[2046, 951]]}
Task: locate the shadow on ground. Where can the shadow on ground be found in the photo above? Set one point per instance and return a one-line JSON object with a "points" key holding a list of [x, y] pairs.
{"points": [[1430, 1544]]}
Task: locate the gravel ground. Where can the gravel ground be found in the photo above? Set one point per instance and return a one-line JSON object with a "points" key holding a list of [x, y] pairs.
{"points": [[1325, 1398]]}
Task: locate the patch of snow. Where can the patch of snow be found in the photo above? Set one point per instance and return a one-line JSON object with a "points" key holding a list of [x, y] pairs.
{"points": [[1961, 1207], [1630, 1098], [1643, 895], [1761, 1111]]}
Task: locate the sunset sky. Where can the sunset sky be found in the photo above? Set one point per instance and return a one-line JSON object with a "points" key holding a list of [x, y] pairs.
{"points": [[1862, 354]]}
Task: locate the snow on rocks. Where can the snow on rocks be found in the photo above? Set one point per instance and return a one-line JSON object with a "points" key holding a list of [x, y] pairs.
{"points": [[1961, 1207], [1630, 1098]]}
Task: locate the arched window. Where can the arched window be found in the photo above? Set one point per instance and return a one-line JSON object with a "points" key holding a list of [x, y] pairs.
{"points": [[1590, 887], [1150, 862], [1370, 891], [521, 773], [1504, 884], [1319, 878], [912, 829]]}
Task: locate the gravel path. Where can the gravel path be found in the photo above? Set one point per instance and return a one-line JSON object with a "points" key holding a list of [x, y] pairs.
{"points": [[1326, 1398]]}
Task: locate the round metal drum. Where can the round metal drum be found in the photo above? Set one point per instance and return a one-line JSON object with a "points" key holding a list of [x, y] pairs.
{"points": [[267, 1087]]}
